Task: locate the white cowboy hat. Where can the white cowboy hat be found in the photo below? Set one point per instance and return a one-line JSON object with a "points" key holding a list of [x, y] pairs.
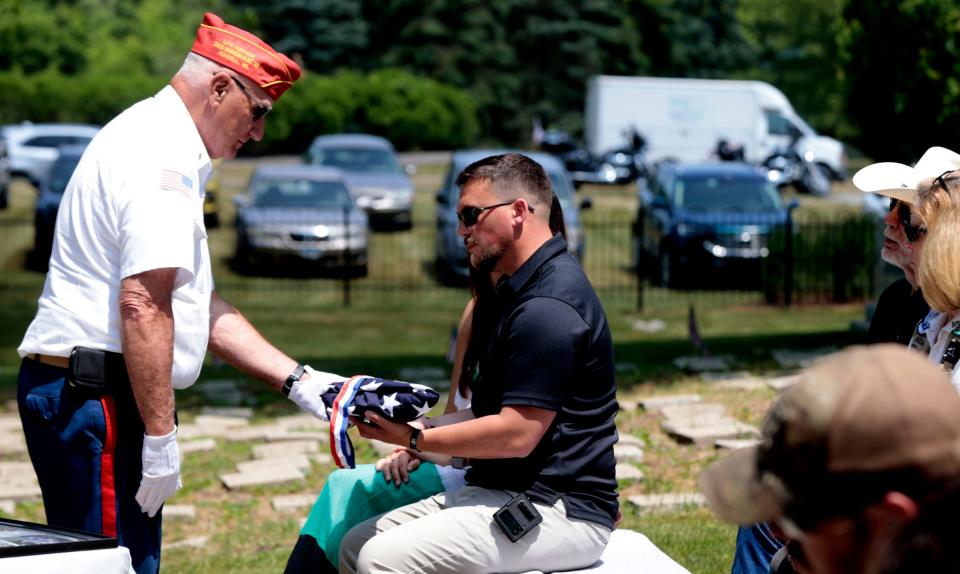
{"points": [[900, 181]]}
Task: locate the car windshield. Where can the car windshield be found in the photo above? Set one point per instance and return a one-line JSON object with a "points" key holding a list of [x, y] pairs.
{"points": [[301, 193], [61, 172], [357, 160], [725, 194]]}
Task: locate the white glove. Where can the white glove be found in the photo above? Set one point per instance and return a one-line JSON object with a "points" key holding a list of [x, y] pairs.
{"points": [[308, 393], [161, 471]]}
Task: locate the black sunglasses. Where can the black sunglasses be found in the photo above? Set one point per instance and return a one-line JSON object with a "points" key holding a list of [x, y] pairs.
{"points": [[258, 110], [912, 232], [470, 215]]}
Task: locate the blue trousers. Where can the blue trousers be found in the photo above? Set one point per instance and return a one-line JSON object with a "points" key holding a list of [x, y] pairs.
{"points": [[86, 450], [756, 546]]}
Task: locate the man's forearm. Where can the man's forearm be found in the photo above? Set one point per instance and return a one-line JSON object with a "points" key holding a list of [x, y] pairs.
{"points": [[147, 339], [239, 344]]}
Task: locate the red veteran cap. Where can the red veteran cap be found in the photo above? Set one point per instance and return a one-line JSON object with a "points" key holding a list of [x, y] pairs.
{"points": [[243, 52]]}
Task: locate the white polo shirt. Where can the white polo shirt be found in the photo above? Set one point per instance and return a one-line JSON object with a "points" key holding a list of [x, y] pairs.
{"points": [[134, 203]]}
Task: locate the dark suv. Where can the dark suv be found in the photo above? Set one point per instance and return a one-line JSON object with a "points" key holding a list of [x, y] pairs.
{"points": [[706, 224]]}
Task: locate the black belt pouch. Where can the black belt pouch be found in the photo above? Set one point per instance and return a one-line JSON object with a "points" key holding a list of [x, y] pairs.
{"points": [[93, 369]]}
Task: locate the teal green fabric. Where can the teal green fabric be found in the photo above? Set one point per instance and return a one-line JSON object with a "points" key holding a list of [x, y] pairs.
{"points": [[352, 495]]}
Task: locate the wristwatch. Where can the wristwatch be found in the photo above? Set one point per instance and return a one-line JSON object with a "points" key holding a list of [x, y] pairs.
{"points": [[414, 438], [293, 378]]}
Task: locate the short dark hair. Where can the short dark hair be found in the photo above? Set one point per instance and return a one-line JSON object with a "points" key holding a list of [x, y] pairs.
{"points": [[511, 171]]}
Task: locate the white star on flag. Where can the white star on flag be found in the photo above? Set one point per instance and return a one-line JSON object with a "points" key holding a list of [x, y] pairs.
{"points": [[422, 409], [371, 386], [420, 388], [390, 401]]}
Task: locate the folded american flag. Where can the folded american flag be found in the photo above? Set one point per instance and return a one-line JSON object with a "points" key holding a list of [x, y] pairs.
{"points": [[398, 401]]}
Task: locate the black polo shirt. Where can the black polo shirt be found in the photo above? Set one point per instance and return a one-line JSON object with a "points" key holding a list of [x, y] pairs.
{"points": [[551, 349]]}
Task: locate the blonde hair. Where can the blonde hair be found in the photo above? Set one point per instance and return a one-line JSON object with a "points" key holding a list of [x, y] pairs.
{"points": [[938, 272]]}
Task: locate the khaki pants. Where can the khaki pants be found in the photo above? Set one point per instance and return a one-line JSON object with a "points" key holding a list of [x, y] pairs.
{"points": [[455, 532]]}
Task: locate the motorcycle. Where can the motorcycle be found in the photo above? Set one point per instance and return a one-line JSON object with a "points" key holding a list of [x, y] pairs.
{"points": [[791, 166], [617, 166]]}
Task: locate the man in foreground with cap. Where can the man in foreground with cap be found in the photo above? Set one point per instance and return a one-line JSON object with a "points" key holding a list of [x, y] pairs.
{"points": [[128, 307], [849, 457]]}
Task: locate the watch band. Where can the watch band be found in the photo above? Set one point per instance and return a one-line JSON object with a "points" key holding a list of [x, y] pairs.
{"points": [[414, 439], [293, 378]]}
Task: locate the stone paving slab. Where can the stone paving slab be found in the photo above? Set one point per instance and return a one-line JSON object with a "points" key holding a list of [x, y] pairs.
{"points": [[220, 422], [654, 404], [274, 475], [741, 384], [293, 502], [250, 433], [286, 448], [698, 364], [627, 438], [10, 424], [666, 501], [13, 443], [628, 472], [301, 421], [8, 507], [708, 434], [194, 542], [184, 512], [382, 448], [197, 445], [629, 405], [780, 383], [627, 453], [214, 385], [238, 412], [322, 458], [736, 443], [297, 461], [649, 326], [287, 435], [694, 412], [790, 359]]}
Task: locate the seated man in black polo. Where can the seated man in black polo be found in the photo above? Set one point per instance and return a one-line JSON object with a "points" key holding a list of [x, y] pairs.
{"points": [[544, 406]]}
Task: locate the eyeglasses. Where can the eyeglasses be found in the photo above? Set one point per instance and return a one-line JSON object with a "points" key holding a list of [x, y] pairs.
{"points": [[470, 215], [258, 110], [913, 233]]}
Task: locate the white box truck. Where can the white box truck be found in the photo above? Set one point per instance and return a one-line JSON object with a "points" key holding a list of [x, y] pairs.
{"points": [[683, 119]]}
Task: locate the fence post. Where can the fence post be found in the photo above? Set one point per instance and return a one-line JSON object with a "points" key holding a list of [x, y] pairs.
{"points": [[788, 260], [638, 264], [344, 259]]}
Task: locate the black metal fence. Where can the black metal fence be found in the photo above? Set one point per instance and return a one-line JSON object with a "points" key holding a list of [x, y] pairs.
{"points": [[808, 260]]}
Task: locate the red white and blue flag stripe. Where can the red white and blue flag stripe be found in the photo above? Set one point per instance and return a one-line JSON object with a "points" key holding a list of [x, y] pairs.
{"points": [[175, 181]]}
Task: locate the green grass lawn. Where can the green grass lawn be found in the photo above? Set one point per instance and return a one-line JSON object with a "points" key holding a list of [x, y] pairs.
{"points": [[384, 331]]}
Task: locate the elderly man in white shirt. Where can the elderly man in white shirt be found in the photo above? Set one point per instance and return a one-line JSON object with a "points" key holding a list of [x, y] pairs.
{"points": [[128, 309]]}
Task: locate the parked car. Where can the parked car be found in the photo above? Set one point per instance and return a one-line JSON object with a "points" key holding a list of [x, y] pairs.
{"points": [[33, 147], [701, 223], [4, 175], [452, 261], [301, 218], [49, 194], [379, 185]]}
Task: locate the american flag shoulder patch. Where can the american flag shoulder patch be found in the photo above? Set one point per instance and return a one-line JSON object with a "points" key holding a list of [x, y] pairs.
{"points": [[175, 181]]}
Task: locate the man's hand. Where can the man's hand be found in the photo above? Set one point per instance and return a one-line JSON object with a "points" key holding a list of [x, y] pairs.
{"points": [[308, 391], [161, 471], [383, 429], [398, 465]]}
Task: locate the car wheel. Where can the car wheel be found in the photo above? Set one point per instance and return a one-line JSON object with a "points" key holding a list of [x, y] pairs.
{"points": [[4, 195]]}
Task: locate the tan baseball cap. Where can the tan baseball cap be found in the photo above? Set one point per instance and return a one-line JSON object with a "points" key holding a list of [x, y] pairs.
{"points": [[859, 423], [900, 181]]}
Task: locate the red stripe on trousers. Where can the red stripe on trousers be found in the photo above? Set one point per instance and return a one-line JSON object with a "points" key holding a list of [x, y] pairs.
{"points": [[108, 491]]}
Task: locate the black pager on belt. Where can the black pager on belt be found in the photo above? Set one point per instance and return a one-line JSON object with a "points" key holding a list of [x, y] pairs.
{"points": [[517, 517], [88, 369]]}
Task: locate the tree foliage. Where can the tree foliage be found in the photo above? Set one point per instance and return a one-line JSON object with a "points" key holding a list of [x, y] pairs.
{"points": [[903, 76]]}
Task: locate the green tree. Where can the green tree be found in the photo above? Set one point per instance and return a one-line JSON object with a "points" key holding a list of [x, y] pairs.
{"points": [[797, 47], [903, 75]]}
